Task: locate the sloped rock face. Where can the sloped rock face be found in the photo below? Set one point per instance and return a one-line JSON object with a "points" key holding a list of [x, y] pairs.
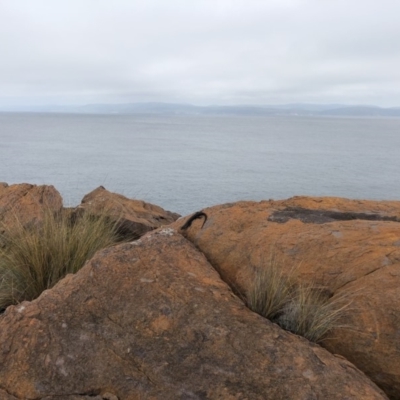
{"points": [[344, 245], [135, 217], [26, 202], [153, 320]]}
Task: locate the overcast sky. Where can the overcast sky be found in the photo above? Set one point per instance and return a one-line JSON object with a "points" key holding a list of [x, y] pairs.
{"points": [[200, 51]]}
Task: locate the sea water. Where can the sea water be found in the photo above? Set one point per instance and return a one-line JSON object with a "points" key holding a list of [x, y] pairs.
{"points": [[184, 163]]}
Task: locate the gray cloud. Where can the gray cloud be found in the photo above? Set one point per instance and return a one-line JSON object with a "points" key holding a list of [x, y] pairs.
{"points": [[203, 52]]}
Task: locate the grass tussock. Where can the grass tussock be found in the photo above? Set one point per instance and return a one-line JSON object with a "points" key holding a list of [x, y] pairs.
{"points": [[301, 308], [312, 313], [270, 291], [35, 258]]}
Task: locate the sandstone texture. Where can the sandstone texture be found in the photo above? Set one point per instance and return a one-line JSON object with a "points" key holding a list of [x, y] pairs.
{"points": [[27, 203], [347, 246], [152, 319], [135, 217]]}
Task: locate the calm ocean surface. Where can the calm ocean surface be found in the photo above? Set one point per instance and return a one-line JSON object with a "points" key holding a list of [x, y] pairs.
{"points": [[185, 163]]}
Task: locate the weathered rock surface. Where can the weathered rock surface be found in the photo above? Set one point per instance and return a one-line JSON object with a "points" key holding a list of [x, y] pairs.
{"points": [[27, 202], [136, 217], [106, 396], [347, 246], [152, 319]]}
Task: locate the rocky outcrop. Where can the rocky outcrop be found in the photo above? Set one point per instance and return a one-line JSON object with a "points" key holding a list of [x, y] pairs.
{"points": [[27, 203], [152, 319], [135, 217], [347, 246]]}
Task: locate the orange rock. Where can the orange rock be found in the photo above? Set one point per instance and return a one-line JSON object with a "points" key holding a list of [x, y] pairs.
{"points": [[152, 319], [382, 208], [348, 246], [27, 203], [136, 217]]}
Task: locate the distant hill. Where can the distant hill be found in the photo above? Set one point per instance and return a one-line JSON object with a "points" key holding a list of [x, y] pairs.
{"points": [[338, 110], [362, 111], [317, 110]]}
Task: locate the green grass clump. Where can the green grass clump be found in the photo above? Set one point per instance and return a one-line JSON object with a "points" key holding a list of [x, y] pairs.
{"points": [[301, 308], [35, 258]]}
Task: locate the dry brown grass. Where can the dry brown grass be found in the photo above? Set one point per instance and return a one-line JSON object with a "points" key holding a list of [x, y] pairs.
{"points": [[35, 258], [271, 290], [301, 308], [312, 313]]}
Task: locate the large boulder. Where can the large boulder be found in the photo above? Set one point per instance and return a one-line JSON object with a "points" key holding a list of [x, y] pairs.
{"points": [[135, 217], [27, 203], [349, 247], [152, 319]]}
